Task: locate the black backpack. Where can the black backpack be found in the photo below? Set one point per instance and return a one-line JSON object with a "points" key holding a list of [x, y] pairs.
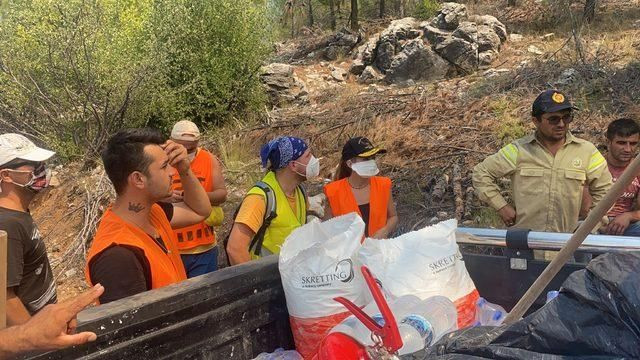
{"points": [[255, 246]]}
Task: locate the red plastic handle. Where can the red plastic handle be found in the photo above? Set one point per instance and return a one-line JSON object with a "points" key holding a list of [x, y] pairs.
{"points": [[389, 333]]}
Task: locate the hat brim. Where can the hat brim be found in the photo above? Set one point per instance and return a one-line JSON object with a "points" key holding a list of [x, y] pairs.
{"points": [[371, 152], [186, 137], [561, 107], [37, 155]]}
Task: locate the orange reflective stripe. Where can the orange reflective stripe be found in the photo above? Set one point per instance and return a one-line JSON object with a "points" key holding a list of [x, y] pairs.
{"points": [[166, 267], [198, 234], [342, 201]]}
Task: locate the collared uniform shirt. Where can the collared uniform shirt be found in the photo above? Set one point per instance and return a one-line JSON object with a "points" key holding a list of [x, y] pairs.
{"points": [[547, 189]]}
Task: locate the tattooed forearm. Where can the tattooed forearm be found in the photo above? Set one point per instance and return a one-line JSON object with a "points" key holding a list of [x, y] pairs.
{"points": [[135, 207]]}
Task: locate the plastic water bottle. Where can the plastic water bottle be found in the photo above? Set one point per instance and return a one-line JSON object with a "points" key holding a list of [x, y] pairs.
{"points": [[488, 314], [280, 354], [552, 295], [356, 329], [426, 323]]}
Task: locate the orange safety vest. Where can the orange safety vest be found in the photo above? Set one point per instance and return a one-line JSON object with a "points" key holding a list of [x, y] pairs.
{"points": [[166, 268], [343, 202], [201, 233]]}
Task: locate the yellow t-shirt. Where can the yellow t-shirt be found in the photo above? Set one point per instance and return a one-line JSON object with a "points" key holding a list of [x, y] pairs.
{"points": [[252, 210]]}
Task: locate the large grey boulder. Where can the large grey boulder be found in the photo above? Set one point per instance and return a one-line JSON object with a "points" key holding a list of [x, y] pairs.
{"points": [[416, 61], [367, 51], [450, 16], [357, 67], [370, 75], [281, 85], [459, 52], [411, 50], [340, 44], [467, 30], [384, 55], [433, 34], [495, 24], [401, 29], [487, 39]]}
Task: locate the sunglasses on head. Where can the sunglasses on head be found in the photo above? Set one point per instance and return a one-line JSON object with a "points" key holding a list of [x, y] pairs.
{"points": [[555, 120]]}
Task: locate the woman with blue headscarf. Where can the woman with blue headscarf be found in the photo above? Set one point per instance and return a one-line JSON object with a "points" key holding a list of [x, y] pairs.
{"points": [[276, 205]]}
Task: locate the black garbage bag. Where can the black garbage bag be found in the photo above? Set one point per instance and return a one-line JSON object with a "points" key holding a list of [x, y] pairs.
{"points": [[595, 316]]}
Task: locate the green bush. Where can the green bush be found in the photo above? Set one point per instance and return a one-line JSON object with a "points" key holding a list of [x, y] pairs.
{"points": [[427, 9], [211, 52], [69, 70], [73, 72]]}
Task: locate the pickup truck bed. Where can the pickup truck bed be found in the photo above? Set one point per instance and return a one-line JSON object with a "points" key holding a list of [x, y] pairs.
{"points": [[239, 312]]}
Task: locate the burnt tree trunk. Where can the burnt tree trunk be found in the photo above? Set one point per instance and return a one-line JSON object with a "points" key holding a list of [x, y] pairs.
{"points": [[354, 15], [310, 13], [332, 14], [590, 10]]}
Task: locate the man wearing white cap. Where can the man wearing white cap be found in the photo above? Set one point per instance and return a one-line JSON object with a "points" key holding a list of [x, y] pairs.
{"points": [[197, 243], [30, 283]]}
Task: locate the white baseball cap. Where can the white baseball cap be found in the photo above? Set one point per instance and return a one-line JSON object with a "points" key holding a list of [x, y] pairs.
{"points": [[185, 130], [16, 146]]}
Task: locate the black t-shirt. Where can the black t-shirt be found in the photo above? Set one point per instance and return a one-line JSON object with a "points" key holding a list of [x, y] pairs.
{"points": [[365, 209], [28, 269], [124, 270]]}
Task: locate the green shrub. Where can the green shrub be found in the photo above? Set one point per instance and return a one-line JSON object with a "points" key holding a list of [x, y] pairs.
{"points": [[427, 9], [211, 52], [73, 72], [69, 71]]}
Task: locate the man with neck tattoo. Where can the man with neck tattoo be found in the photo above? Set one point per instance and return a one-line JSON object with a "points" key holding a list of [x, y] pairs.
{"points": [[197, 243], [134, 249]]}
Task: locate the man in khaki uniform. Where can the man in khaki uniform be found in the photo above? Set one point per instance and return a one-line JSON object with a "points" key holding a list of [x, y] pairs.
{"points": [[548, 170]]}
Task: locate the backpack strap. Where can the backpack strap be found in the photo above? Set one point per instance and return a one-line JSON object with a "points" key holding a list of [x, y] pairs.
{"points": [[269, 215]]}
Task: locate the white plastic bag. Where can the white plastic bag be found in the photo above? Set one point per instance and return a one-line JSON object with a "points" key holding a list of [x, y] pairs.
{"points": [[424, 263], [316, 265]]}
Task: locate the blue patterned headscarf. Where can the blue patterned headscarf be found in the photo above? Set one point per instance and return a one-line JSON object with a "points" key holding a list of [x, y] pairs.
{"points": [[279, 152]]}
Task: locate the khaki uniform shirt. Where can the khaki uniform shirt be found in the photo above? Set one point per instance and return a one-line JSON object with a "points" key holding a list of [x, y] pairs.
{"points": [[547, 189]]}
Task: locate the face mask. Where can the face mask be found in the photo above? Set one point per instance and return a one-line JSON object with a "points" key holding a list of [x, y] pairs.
{"points": [[366, 169], [40, 179], [312, 168]]}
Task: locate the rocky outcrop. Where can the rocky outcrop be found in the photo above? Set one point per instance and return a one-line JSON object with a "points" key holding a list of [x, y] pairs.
{"points": [[340, 44], [370, 75], [413, 50], [450, 16], [282, 86], [462, 53], [416, 61]]}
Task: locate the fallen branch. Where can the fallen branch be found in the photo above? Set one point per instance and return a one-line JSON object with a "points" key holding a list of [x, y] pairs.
{"points": [[457, 191], [465, 149], [92, 211], [440, 188], [334, 127], [468, 204], [437, 157]]}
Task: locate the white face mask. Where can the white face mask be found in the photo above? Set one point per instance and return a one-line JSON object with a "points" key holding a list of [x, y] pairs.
{"points": [[366, 169], [38, 181], [312, 168]]}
